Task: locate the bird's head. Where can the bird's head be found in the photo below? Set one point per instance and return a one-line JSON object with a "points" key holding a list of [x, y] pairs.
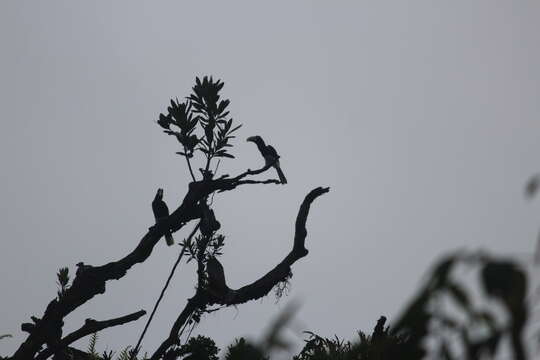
{"points": [[159, 194], [254, 139]]}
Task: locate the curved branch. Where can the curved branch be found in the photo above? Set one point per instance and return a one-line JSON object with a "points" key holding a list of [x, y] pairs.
{"points": [[90, 326], [222, 294]]}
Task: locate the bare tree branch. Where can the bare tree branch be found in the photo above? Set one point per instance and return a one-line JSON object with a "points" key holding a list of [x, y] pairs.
{"points": [[90, 326], [225, 183], [252, 172], [90, 281], [222, 294], [243, 182], [217, 291]]}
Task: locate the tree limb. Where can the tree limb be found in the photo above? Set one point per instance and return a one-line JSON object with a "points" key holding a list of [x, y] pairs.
{"points": [[218, 292], [90, 326], [243, 182], [222, 294], [90, 281], [252, 172]]}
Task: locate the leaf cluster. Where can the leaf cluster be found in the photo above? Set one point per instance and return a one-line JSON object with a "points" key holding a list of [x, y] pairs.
{"points": [[199, 348], [181, 117], [380, 345], [242, 349], [91, 350], [126, 353], [214, 248], [320, 348], [62, 281], [203, 109]]}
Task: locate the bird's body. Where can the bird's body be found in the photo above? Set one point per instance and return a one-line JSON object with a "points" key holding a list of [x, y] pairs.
{"points": [[270, 155], [161, 210]]}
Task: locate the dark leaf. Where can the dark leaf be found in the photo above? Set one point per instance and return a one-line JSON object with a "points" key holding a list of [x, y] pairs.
{"points": [[164, 121], [236, 128], [222, 105]]}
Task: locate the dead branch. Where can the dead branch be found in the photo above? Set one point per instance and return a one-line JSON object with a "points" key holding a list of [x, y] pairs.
{"points": [[90, 326], [90, 281], [233, 185], [252, 172], [217, 291], [222, 294]]}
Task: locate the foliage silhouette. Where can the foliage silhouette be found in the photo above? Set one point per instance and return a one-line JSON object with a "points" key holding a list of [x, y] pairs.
{"points": [[380, 345], [204, 108], [242, 349]]}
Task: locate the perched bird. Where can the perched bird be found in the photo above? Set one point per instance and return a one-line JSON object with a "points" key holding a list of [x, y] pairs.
{"points": [[270, 155], [161, 210]]}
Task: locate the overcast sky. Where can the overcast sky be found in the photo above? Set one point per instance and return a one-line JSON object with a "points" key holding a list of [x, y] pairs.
{"points": [[423, 117]]}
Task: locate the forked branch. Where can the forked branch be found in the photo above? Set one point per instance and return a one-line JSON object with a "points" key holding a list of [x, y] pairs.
{"points": [[218, 292]]}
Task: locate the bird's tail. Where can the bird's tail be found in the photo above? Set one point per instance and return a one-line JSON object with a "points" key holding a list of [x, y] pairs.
{"points": [[281, 175], [169, 239]]}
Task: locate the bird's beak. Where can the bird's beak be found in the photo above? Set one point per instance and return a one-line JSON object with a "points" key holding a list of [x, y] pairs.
{"points": [[251, 138]]}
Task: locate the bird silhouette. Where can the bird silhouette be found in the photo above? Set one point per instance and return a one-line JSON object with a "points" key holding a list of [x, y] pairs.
{"points": [[161, 211], [270, 155]]}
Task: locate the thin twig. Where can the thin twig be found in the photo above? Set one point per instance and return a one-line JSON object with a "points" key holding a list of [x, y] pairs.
{"points": [[217, 166], [190, 331], [252, 172], [188, 320], [214, 193], [208, 158], [189, 165], [243, 182], [136, 350]]}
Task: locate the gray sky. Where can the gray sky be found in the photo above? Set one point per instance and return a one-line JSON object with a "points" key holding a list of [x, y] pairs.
{"points": [[422, 116]]}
